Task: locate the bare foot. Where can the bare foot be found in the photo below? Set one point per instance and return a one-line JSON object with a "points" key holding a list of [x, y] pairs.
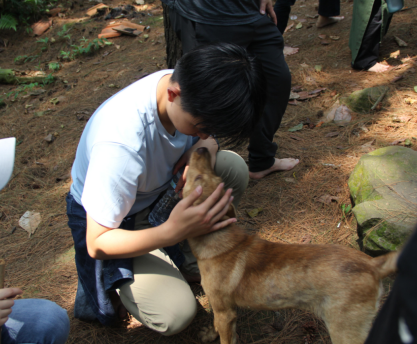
{"points": [[324, 21], [379, 68], [290, 50], [279, 165]]}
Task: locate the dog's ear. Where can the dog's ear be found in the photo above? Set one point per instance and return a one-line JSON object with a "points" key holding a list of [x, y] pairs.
{"points": [[231, 212]]}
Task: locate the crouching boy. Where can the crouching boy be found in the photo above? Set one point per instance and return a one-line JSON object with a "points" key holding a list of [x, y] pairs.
{"points": [[127, 155]]}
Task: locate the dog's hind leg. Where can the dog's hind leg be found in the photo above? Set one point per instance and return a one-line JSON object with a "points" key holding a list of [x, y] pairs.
{"points": [[350, 325], [225, 325]]}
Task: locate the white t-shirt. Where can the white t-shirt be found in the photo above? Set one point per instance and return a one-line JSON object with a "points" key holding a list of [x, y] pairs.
{"points": [[125, 156]]}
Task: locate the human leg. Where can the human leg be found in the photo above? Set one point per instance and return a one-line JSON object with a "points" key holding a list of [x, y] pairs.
{"points": [[329, 11], [267, 45], [36, 321], [367, 56], [282, 9], [159, 297]]}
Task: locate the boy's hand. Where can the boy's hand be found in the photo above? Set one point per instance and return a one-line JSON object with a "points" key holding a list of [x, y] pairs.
{"points": [[267, 5], [188, 221], [6, 303]]}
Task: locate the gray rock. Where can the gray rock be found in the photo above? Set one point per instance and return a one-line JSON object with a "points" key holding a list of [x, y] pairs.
{"points": [[361, 101], [383, 186]]}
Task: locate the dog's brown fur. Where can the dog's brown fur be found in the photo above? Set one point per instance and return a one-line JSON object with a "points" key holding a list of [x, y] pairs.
{"points": [[339, 284]]}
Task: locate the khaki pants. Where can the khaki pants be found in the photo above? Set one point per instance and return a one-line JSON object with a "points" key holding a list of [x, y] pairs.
{"points": [[159, 297]]}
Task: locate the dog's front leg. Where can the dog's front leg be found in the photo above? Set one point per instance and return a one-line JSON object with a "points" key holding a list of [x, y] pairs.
{"points": [[225, 325]]}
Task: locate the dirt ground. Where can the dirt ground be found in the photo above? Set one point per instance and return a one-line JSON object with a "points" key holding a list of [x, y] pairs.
{"points": [[43, 264]]}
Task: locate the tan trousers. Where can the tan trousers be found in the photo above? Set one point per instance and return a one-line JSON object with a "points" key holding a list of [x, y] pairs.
{"points": [[159, 297]]}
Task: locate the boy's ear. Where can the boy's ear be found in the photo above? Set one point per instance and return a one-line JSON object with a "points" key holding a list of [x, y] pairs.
{"points": [[173, 92]]}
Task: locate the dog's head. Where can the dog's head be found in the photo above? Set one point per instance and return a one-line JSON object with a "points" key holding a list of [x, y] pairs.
{"points": [[201, 173]]}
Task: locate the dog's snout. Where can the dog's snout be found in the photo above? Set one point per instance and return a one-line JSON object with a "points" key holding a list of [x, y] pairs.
{"points": [[202, 150]]}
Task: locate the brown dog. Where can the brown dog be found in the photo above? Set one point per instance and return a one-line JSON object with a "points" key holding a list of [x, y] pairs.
{"points": [[339, 284]]}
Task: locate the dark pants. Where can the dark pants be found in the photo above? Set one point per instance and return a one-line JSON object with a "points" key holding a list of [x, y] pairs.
{"points": [[262, 39], [398, 316], [369, 51], [282, 9]]}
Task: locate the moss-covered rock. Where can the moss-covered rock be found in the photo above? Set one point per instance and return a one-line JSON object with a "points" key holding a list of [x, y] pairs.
{"points": [[361, 101], [383, 186]]}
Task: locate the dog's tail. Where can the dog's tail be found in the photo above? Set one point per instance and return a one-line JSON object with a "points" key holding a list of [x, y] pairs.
{"points": [[386, 264]]}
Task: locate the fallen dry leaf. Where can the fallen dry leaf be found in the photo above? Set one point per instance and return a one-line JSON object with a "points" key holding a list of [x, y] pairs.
{"points": [[327, 199], [367, 147], [304, 95], [254, 212], [324, 43], [296, 88], [335, 38], [293, 102], [294, 137], [322, 36], [332, 134], [294, 95], [296, 127], [396, 142], [317, 90], [395, 54], [30, 221], [400, 42], [319, 124], [290, 180]]}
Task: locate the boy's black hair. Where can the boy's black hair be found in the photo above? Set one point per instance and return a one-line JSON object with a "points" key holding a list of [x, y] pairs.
{"points": [[224, 87]]}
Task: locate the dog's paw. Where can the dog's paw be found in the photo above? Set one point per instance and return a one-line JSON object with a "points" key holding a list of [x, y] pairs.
{"points": [[207, 334]]}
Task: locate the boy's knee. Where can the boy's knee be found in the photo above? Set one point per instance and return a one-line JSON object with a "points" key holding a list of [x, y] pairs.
{"points": [[178, 320], [170, 319], [233, 170]]}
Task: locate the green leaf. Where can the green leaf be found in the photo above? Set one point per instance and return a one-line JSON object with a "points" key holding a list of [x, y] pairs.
{"points": [[297, 127], [318, 68], [7, 21], [407, 142], [299, 26], [415, 88]]}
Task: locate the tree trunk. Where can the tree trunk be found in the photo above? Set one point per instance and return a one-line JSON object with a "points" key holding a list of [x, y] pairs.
{"points": [[173, 44]]}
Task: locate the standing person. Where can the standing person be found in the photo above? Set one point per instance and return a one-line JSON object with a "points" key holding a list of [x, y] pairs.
{"points": [[370, 22], [246, 24], [329, 11], [127, 155], [27, 320]]}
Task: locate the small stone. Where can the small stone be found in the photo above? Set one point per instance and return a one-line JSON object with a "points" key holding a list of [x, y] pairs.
{"points": [[49, 138]]}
